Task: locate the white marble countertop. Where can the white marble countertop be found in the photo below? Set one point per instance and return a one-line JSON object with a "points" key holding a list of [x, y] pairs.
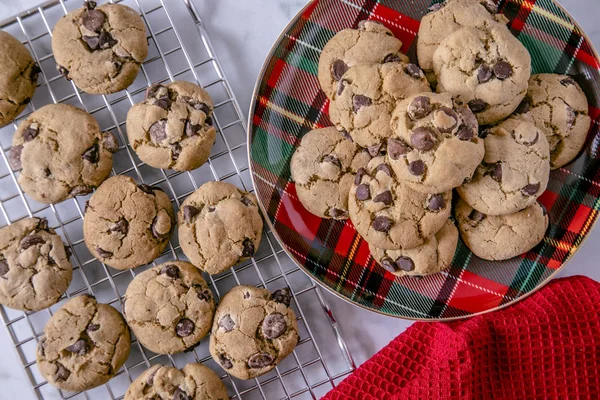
{"points": [[243, 32]]}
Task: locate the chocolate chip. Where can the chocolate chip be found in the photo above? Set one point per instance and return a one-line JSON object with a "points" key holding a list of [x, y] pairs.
{"points": [[224, 361], [338, 69], [63, 71], [154, 89], [31, 132], [567, 81], [163, 102], [414, 71], [42, 224], [93, 42], [346, 135], [531, 189], [155, 231], [92, 154], [191, 129], [86, 207], [260, 360], [62, 373], [31, 240], [246, 201], [363, 192], [158, 131], [146, 188], [330, 158], [360, 101], [92, 327], [484, 73], [189, 212], [336, 213], [176, 151], [383, 167], [503, 70], [47, 172], [170, 270], [496, 172], [478, 105], [465, 133], [204, 294], [283, 296], [81, 190], [208, 121], [359, 175], [248, 248], [436, 202], [448, 122], [396, 149], [382, 223], [416, 167], [68, 251], [14, 157], [419, 108], [274, 325], [33, 74], [120, 227], [571, 116], [3, 267], [89, 4], [227, 323], [80, 347], [524, 107], [384, 197], [392, 57], [106, 40], [422, 139], [184, 327], [103, 253], [376, 150], [341, 86], [109, 142], [484, 133], [181, 395], [476, 216], [388, 264], [246, 295], [405, 264], [468, 118]]}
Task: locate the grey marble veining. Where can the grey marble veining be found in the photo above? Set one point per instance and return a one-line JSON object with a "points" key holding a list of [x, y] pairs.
{"points": [[243, 32]]}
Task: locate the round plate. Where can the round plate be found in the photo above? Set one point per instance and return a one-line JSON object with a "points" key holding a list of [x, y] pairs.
{"points": [[288, 103]]}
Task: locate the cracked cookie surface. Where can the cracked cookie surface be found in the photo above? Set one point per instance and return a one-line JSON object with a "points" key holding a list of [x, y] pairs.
{"points": [[367, 95], [390, 215], [61, 153], [253, 331], [169, 307], [504, 236], [514, 171], [435, 146], [219, 226], [84, 345], [433, 256], [100, 49], [18, 77], [192, 382], [323, 169], [34, 265], [126, 224], [172, 127], [560, 109], [486, 68], [370, 43]]}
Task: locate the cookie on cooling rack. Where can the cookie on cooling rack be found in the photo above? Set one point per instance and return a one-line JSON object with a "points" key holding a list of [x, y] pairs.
{"points": [[61, 153], [34, 265], [194, 381], [253, 331], [169, 307], [84, 345], [172, 127], [18, 77], [100, 48]]}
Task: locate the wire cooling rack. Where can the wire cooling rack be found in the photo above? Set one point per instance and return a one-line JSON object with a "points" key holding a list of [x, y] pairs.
{"points": [[184, 52]]}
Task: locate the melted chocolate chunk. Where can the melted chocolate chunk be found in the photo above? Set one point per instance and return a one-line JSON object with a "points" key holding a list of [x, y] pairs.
{"points": [[484, 73], [503, 70], [92, 154], [121, 226], [227, 323], [384, 197], [248, 248], [225, 361], [382, 223], [422, 139], [283, 296], [531, 189], [158, 131], [436, 202], [14, 157], [184, 327], [80, 347], [170, 270], [405, 264], [359, 175], [414, 71], [103, 253], [416, 167], [274, 325], [396, 149], [419, 108], [360, 101], [31, 240], [478, 105], [189, 212], [389, 265], [338, 69], [363, 192], [260, 360]]}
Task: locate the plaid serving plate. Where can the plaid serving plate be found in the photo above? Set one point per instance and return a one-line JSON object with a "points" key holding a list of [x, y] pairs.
{"points": [[288, 103]]}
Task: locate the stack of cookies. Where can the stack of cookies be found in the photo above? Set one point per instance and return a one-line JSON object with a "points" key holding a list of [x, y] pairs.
{"points": [[470, 119]]}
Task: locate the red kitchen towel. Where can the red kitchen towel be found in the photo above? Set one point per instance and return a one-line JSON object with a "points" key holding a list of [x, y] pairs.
{"points": [[544, 347]]}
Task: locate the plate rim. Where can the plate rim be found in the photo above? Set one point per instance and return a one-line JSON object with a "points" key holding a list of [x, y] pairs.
{"points": [[253, 102]]}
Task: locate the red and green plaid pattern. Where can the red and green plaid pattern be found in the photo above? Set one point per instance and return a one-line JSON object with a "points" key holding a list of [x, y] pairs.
{"points": [[289, 103]]}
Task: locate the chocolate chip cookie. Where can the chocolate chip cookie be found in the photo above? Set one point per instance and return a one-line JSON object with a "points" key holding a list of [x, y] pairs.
{"points": [[169, 307], [172, 127], [193, 382], [85, 343], [34, 265], [435, 146], [100, 48], [18, 77], [433, 256], [325, 162], [486, 68], [367, 95], [126, 224], [503, 236], [253, 331], [449, 17], [370, 43], [514, 171], [389, 214], [559, 109], [62, 153], [219, 226]]}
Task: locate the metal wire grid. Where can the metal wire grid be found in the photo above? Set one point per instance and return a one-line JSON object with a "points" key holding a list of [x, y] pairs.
{"points": [[316, 365]]}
